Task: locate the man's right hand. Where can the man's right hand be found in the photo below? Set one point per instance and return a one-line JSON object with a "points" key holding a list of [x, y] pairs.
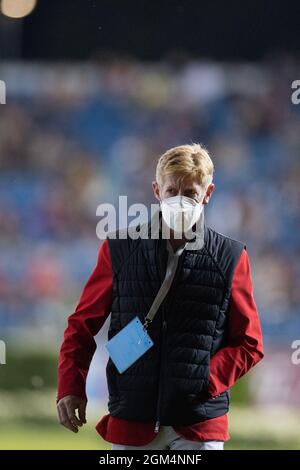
{"points": [[66, 409]]}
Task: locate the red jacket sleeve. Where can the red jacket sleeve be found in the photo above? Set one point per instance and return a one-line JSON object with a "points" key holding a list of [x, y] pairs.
{"points": [[79, 345], [245, 347]]}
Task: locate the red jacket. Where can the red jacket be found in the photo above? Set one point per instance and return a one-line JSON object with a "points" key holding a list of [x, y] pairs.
{"points": [[243, 351]]}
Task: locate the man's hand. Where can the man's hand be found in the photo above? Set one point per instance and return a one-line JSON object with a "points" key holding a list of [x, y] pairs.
{"points": [[66, 408]]}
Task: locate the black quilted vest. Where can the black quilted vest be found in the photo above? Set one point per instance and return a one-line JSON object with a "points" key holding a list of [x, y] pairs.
{"points": [[188, 329]]}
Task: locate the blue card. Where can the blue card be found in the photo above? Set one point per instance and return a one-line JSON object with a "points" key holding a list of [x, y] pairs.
{"points": [[127, 346]]}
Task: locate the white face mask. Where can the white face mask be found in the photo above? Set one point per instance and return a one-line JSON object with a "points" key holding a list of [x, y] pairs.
{"points": [[180, 213]]}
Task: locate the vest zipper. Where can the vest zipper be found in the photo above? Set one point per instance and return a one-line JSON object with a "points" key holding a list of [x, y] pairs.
{"points": [[164, 328]]}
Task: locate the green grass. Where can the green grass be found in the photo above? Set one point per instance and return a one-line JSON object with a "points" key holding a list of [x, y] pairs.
{"points": [[48, 436], [28, 421]]}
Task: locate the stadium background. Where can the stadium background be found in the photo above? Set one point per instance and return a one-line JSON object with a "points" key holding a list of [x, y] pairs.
{"points": [[96, 90]]}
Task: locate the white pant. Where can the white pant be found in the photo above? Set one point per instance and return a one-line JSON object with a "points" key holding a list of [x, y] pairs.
{"points": [[168, 439]]}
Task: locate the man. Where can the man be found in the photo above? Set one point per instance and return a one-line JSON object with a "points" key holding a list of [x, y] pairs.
{"points": [[206, 332]]}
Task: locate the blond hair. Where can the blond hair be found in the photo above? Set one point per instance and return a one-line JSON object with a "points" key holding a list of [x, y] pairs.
{"points": [[186, 161]]}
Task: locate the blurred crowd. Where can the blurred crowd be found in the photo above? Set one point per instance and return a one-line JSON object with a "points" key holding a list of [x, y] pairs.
{"points": [[74, 136]]}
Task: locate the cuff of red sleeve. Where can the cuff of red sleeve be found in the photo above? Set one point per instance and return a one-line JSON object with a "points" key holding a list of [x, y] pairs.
{"points": [[75, 393]]}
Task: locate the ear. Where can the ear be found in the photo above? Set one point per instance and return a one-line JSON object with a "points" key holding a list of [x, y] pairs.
{"points": [[208, 193], [156, 190]]}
